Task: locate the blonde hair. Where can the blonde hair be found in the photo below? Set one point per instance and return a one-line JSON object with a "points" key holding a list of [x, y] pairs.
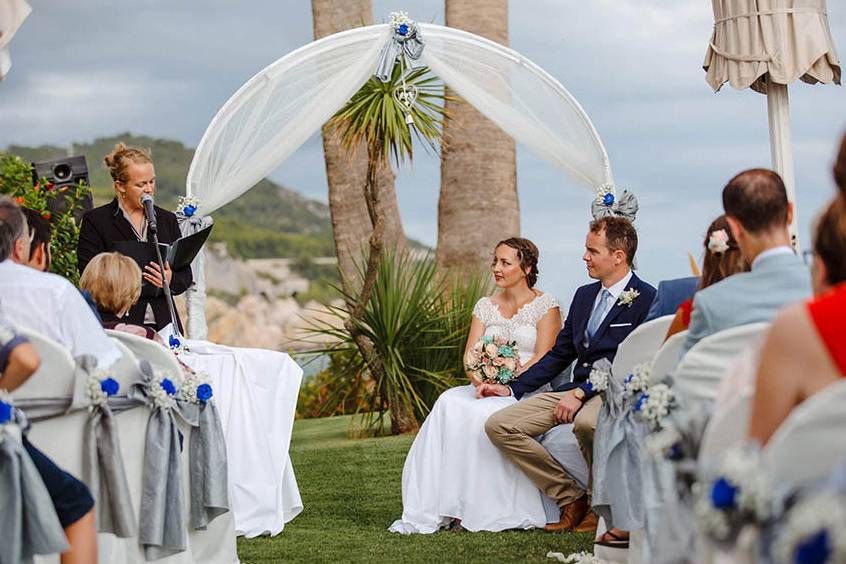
{"points": [[120, 158], [113, 280]]}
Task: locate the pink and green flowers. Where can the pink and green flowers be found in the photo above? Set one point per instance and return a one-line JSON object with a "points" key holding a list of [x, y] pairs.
{"points": [[493, 360]]}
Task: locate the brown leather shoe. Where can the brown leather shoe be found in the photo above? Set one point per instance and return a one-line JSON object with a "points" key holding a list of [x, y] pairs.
{"points": [[571, 515], [588, 524]]}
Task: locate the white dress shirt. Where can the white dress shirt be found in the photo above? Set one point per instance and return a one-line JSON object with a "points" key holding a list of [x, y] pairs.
{"points": [[50, 305], [615, 290]]}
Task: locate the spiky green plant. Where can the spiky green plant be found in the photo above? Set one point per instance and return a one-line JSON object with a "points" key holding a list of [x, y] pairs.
{"points": [[418, 324], [374, 118]]}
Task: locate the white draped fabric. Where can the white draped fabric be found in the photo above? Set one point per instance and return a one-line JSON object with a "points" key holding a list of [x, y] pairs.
{"points": [[278, 109], [255, 391], [12, 15], [283, 105]]}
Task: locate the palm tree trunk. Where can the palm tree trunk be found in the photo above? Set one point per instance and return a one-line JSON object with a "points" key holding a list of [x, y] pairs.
{"points": [[345, 173], [478, 203]]}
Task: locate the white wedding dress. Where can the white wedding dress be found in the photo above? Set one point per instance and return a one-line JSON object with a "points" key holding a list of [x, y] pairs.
{"points": [[453, 471]]}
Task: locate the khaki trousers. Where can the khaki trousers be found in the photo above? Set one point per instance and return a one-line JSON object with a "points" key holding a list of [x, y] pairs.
{"points": [[513, 431]]}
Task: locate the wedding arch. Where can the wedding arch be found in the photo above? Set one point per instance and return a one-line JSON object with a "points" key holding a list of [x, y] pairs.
{"points": [[283, 105]]}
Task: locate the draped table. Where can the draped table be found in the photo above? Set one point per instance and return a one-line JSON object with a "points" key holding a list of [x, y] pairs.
{"points": [[255, 391]]}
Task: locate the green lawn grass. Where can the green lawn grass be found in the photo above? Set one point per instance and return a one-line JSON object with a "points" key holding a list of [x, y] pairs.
{"points": [[351, 493]]}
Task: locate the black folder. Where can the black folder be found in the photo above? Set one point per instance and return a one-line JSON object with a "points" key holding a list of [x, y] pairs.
{"points": [[178, 254]]}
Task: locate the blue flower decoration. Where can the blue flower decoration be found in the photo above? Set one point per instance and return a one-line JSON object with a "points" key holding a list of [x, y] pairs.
{"points": [[168, 387], [487, 339], [723, 494], [204, 392], [109, 386], [815, 550], [173, 342], [641, 400], [675, 453], [403, 29], [5, 412], [590, 386], [608, 199], [506, 351], [628, 379], [189, 210]]}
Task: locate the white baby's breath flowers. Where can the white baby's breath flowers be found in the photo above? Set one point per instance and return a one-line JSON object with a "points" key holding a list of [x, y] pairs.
{"points": [[95, 390], [659, 401], [162, 389], [818, 519], [576, 558], [661, 443], [190, 385], [628, 297], [598, 380], [638, 380]]}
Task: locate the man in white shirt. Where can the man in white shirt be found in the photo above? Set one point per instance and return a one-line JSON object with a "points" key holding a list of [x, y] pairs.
{"points": [[45, 302], [758, 213]]}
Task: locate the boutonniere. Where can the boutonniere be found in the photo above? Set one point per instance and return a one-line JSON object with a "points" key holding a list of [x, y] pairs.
{"points": [[628, 297]]}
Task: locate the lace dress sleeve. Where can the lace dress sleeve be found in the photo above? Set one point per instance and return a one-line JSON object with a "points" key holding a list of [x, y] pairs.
{"points": [[482, 311], [541, 307]]}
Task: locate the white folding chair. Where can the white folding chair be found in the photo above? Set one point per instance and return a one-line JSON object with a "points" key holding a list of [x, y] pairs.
{"points": [[809, 443], [667, 356], [640, 346], [700, 371], [159, 356]]}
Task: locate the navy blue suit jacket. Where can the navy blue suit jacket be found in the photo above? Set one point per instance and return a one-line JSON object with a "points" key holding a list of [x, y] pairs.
{"points": [[569, 345], [671, 294]]}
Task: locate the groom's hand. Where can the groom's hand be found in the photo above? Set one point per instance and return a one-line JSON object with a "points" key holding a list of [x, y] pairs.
{"points": [[487, 390], [567, 407]]}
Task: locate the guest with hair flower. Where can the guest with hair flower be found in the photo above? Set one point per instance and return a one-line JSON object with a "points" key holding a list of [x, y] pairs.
{"points": [[722, 259]]}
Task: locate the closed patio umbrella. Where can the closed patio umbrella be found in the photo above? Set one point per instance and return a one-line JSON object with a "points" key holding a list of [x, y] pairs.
{"points": [[12, 15], [766, 45]]}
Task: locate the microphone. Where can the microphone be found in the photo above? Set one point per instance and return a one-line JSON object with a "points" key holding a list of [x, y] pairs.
{"points": [[149, 212]]}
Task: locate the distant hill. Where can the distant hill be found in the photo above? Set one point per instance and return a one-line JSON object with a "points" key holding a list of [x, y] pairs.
{"points": [[268, 221]]}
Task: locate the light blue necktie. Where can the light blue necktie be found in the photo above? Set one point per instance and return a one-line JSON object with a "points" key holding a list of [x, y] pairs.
{"points": [[598, 313]]}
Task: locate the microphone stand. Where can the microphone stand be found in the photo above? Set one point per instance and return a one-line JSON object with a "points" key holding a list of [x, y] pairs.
{"points": [[153, 228]]}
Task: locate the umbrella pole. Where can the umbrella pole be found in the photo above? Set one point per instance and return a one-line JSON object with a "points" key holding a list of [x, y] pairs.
{"points": [[781, 148]]}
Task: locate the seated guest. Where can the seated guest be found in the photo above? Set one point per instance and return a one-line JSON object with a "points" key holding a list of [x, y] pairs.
{"points": [[670, 295], [71, 499], [113, 281], [123, 219], [45, 302], [40, 232], [805, 350], [722, 259], [601, 316], [758, 214]]}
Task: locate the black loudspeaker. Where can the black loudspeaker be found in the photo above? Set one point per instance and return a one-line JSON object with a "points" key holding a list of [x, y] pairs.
{"points": [[68, 171]]}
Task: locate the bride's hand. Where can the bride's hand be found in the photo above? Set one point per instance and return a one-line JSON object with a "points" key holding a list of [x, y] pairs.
{"points": [[487, 390]]}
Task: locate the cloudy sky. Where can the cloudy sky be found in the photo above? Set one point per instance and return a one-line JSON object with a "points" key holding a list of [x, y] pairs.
{"points": [[163, 68]]}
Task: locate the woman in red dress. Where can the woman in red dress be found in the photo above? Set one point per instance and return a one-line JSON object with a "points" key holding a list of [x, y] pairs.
{"points": [[722, 259], [805, 350]]}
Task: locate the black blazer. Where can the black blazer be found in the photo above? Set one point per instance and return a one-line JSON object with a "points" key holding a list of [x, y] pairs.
{"points": [[569, 345], [103, 226]]}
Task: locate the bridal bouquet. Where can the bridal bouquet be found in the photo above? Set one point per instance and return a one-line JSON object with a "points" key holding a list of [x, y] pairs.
{"points": [[493, 360]]}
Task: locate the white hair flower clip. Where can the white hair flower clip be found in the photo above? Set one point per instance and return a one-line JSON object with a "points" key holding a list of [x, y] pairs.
{"points": [[718, 242]]}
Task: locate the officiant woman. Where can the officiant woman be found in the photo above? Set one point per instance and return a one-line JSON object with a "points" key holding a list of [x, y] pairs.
{"points": [[123, 219]]}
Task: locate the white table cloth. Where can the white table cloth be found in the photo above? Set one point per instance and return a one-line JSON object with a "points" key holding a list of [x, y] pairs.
{"points": [[255, 391]]}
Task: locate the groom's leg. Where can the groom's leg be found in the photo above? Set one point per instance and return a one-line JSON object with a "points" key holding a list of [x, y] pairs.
{"points": [[584, 427], [513, 431]]}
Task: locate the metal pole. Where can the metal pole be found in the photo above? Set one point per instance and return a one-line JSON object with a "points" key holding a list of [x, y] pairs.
{"points": [[781, 148]]}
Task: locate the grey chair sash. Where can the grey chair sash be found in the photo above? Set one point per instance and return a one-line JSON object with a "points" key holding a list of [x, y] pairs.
{"points": [[103, 469], [209, 471], [28, 521]]}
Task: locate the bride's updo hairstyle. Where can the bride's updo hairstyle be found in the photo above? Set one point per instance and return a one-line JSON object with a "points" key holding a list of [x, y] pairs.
{"points": [[121, 157], [528, 254]]}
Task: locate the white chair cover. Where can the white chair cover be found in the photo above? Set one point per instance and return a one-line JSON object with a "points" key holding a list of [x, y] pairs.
{"points": [[640, 346], [667, 356], [700, 372], [159, 356], [807, 446]]}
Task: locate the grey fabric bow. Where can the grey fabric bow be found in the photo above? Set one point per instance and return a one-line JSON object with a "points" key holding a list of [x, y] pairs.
{"points": [[193, 224], [409, 46], [625, 206], [209, 471], [102, 462], [28, 521], [162, 530], [617, 443]]}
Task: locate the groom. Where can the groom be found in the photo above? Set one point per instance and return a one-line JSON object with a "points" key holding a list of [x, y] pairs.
{"points": [[601, 315]]}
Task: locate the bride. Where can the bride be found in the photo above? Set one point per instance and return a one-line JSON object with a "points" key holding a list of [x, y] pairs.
{"points": [[453, 475]]}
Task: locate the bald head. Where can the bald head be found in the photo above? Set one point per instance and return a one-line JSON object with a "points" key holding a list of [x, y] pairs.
{"points": [[757, 199]]}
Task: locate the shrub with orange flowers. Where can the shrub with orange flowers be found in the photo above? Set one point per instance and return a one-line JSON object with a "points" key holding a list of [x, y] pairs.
{"points": [[16, 182]]}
